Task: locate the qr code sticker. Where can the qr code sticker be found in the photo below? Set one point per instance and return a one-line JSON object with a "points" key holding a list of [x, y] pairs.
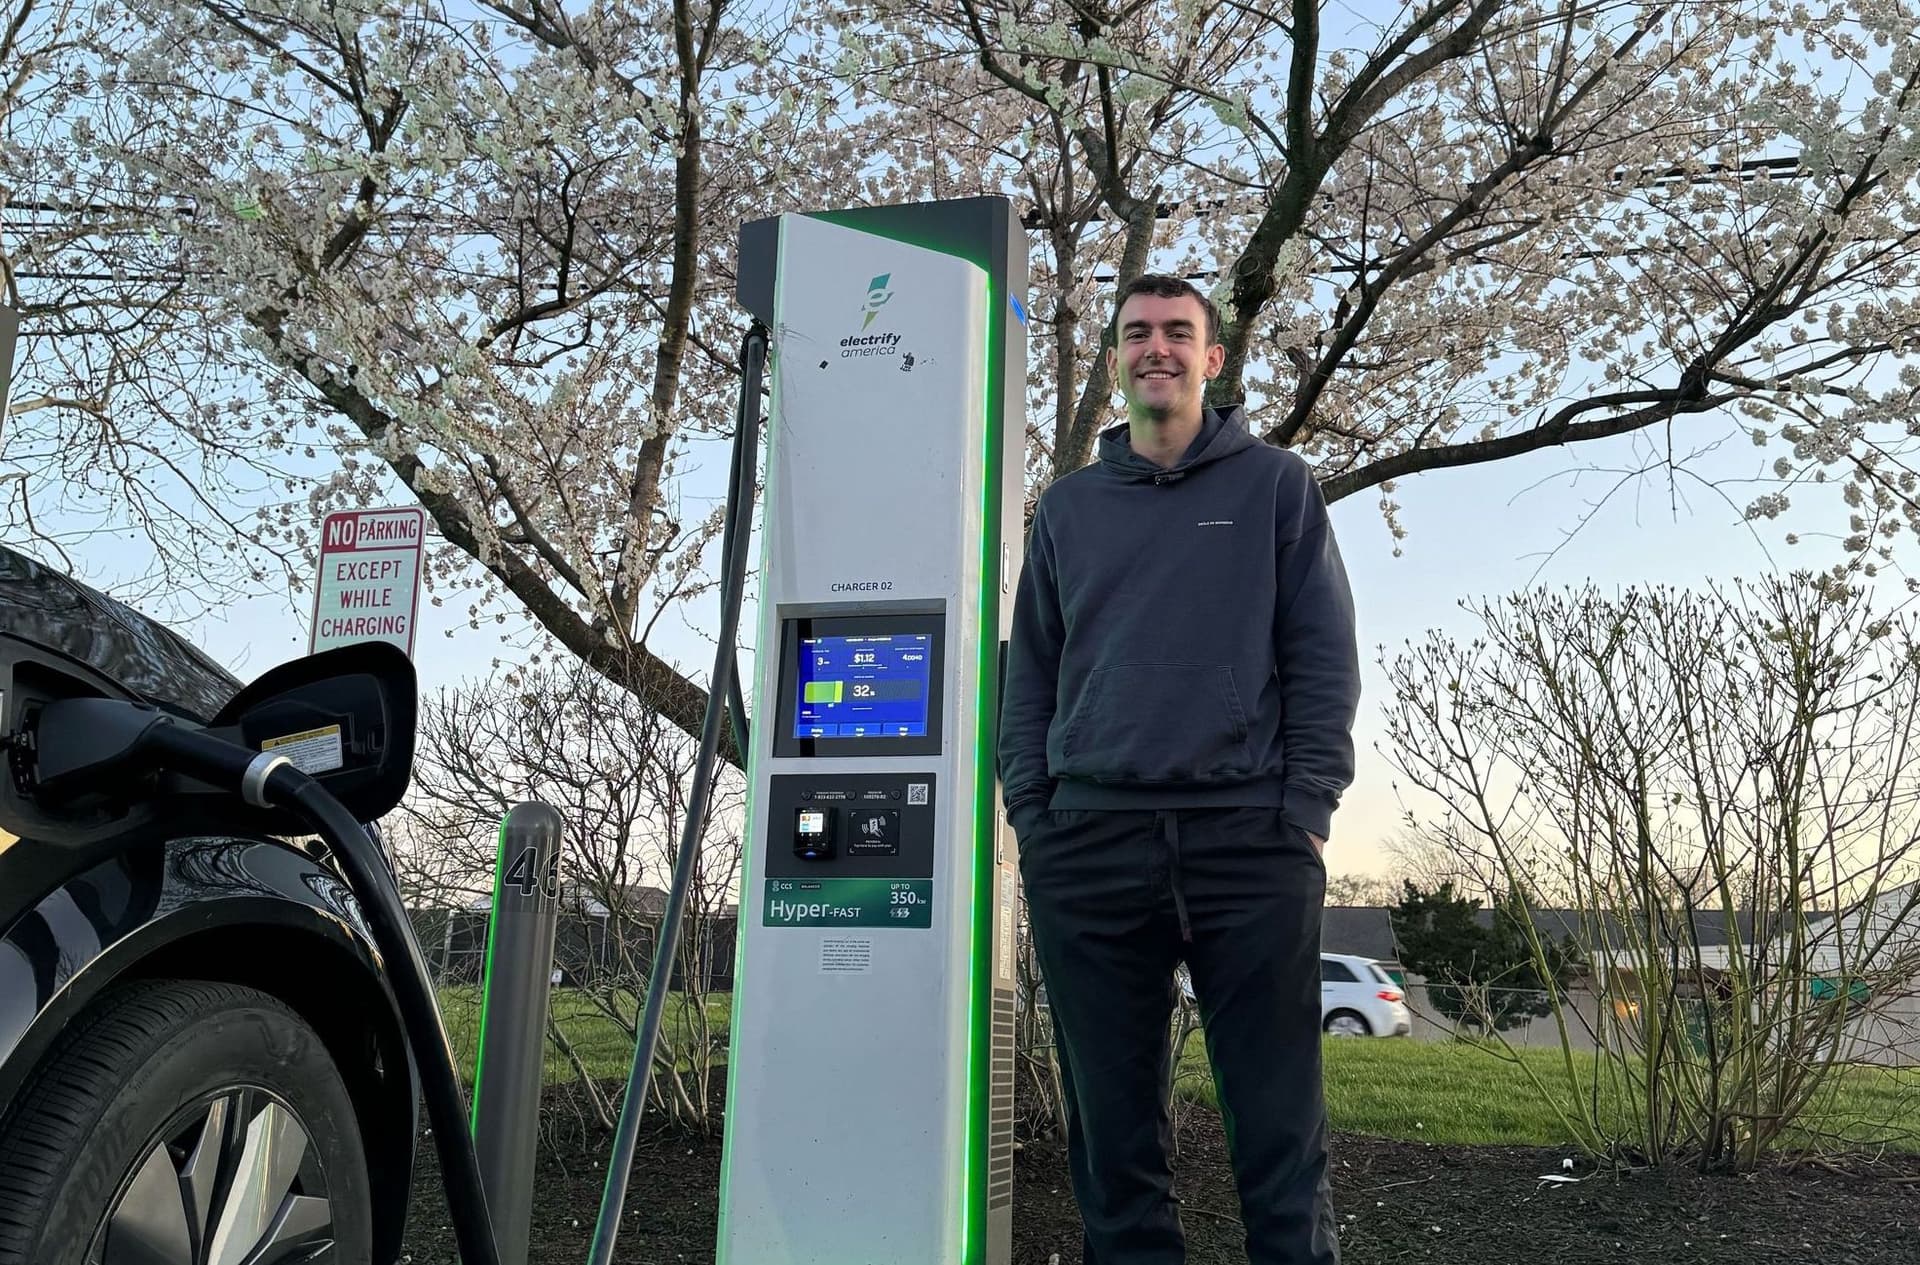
{"points": [[916, 792]]}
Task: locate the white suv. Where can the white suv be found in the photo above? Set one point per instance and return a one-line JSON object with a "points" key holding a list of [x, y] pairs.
{"points": [[1359, 999]]}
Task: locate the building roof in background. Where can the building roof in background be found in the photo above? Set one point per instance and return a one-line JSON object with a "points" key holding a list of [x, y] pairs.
{"points": [[645, 902], [1360, 930], [1367, 931]]}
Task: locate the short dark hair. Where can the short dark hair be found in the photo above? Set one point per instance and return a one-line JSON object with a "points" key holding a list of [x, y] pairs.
{"points": [[1165, 287]]}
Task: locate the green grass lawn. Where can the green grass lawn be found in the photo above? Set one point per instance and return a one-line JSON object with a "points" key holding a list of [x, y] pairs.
{"points": [[1423, 1090], [602, 1045], [1435, 1091], [1461, 1093]]}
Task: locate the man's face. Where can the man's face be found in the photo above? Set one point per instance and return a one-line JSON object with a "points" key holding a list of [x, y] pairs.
{"points": [[1162, 361]]}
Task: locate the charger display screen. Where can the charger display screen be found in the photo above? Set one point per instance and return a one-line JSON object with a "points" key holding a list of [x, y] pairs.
{"points": [[866, 686]]}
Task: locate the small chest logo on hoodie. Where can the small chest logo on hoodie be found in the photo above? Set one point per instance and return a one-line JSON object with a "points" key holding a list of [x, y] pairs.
{"points": [[1215, 522]]}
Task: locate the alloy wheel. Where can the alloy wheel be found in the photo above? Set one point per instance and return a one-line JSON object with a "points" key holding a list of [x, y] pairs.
{"points": [[232, 1180]]}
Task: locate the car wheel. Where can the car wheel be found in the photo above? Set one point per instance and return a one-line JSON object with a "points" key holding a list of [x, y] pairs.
{"points": [[1347, 1023], [184, 1123]]}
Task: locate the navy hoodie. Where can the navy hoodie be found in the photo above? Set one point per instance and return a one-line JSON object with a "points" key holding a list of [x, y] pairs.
{"points": [[1182, 638]]}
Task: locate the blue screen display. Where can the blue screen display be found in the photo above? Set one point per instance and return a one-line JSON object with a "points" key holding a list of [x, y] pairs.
{"points": [[863, 687]]}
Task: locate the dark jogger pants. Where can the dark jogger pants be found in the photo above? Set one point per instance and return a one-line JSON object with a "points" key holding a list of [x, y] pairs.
{"points": [[1116, 900]]}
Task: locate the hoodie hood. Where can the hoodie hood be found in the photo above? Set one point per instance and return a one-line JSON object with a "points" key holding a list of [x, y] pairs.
{"points": [[1223, 432]]}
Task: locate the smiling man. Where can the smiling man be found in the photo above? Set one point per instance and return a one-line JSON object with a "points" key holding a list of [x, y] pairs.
{"points": [[1176, 734]]}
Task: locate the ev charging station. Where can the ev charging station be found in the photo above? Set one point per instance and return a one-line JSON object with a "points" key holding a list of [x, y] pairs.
{"points": [[870, 1077]]}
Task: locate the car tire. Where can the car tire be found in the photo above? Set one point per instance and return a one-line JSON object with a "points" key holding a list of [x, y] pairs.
{"points": [[176, 1117], [1347, 1023]]}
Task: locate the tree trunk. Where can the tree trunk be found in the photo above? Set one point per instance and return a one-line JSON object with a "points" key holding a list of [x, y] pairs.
{"points": [[635, 566], [1074, 447]]}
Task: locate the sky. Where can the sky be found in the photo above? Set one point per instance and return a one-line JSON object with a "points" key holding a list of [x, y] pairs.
{"points": [[1486, 531]]}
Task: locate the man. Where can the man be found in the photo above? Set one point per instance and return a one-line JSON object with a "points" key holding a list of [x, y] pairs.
{"points": [[1176, 734]]}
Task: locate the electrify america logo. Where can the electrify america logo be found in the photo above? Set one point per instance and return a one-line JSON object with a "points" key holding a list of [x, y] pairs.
{"points": [[879, 291], [877, 295]]}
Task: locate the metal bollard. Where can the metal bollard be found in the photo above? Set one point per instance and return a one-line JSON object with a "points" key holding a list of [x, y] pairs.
{"points": [[513, 1019]]}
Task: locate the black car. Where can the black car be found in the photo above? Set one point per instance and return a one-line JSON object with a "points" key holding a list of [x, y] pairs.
{"points": [[201, 1059]]}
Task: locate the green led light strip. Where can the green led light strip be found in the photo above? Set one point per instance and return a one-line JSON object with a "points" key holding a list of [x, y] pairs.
{"points": [[973, 1237], [493, 921]]}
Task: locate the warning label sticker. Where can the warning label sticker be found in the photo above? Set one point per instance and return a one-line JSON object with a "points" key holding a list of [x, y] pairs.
{"points": [[846, 957], [315, 751]]}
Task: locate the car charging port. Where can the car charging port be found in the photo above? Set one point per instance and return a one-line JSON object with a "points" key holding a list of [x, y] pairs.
{"points": [[18, 746], [28, 689], [77, 742]]}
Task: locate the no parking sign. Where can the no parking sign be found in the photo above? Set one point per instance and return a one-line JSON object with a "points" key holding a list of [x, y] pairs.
{"points": [[369, 583]]}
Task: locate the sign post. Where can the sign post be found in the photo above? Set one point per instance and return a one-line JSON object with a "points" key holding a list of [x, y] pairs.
{"points": [[369, 583]]}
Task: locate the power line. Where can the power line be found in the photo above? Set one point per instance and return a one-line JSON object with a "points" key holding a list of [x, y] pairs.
{"points": [[1784, 168]]}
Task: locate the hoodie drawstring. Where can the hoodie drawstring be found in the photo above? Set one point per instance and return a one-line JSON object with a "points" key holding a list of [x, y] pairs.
{"points": [[1169, 827]]}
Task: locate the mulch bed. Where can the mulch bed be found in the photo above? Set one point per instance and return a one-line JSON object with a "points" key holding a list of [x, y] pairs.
{"points": [[1397, 1202]]}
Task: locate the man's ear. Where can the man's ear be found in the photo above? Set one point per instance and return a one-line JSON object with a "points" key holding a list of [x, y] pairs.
{"points": [[1216, 359]]}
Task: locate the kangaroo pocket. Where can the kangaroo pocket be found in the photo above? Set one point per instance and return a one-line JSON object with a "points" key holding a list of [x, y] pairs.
{"points": [[1158, 722]]}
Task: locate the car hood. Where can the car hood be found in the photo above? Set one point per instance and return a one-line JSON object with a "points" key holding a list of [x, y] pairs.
{"points": [[44, 608]]}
